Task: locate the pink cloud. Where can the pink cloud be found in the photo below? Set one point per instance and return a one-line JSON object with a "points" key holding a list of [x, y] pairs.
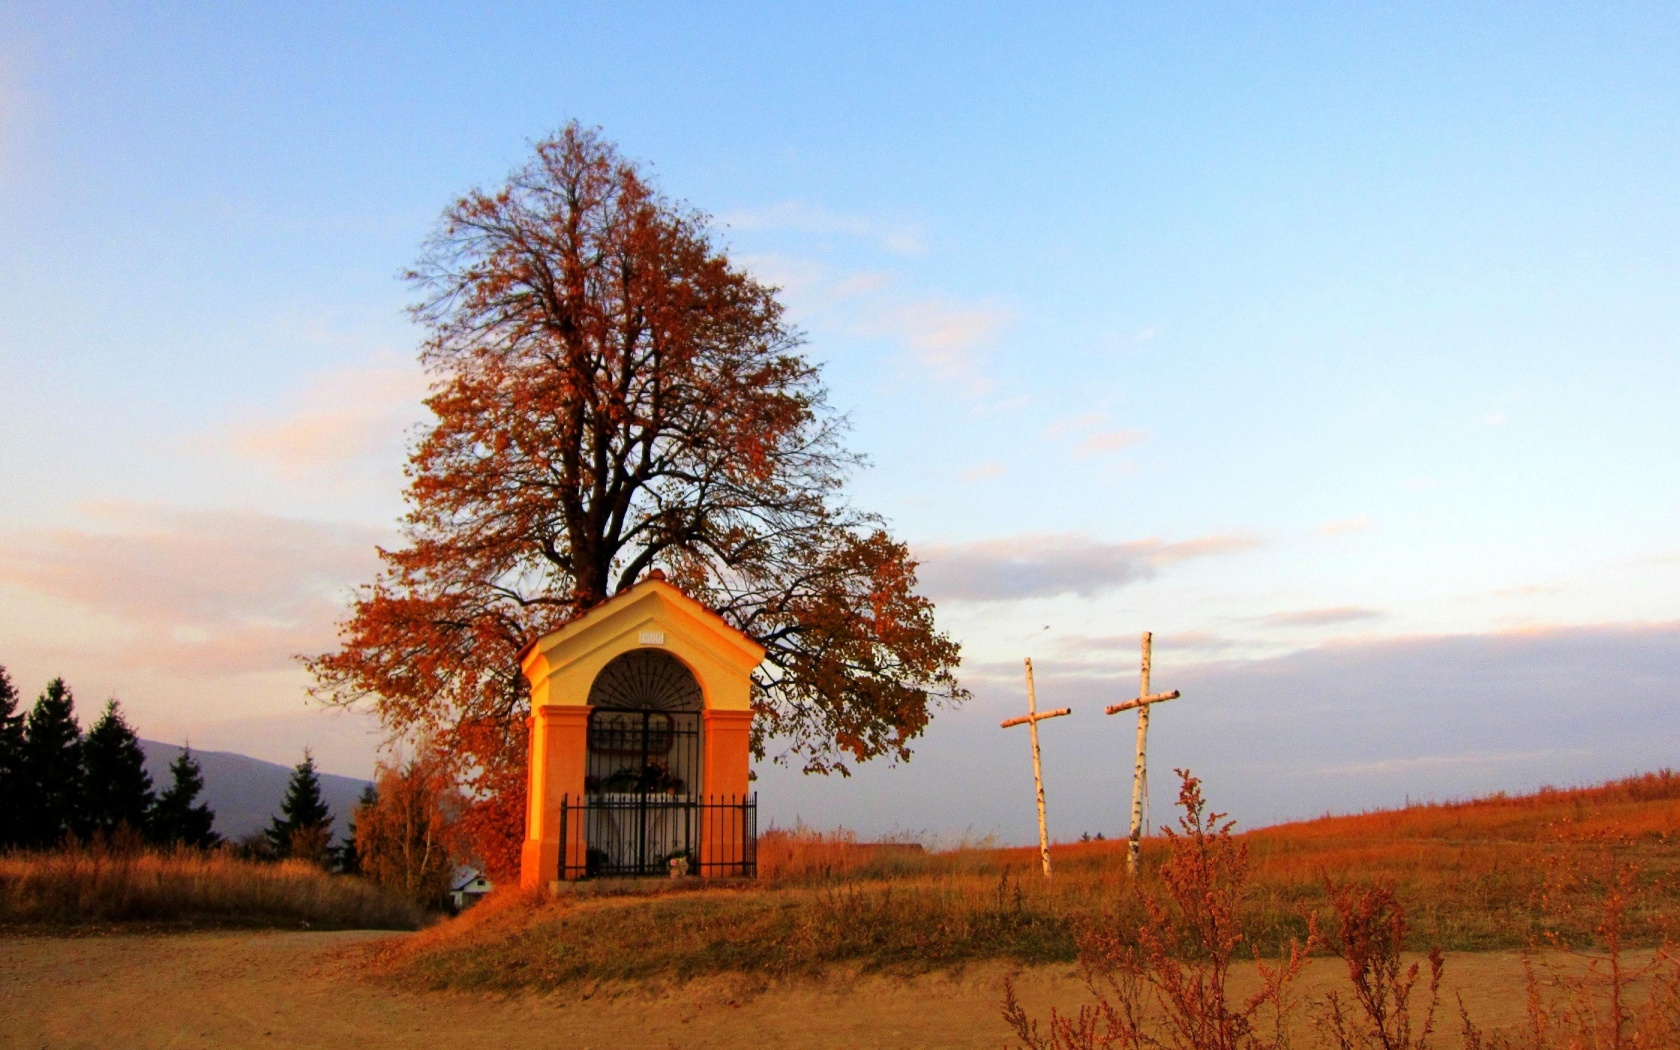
{"points": [[1075, 424], [1362, 523], [1327, 617], [1095, 442], [202, 593], [1077, 647], [801, 217], [342, 416], [941, 333], [1107, 441]]}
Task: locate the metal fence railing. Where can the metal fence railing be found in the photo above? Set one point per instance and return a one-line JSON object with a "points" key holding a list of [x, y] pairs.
{"points": [[644, 834]]}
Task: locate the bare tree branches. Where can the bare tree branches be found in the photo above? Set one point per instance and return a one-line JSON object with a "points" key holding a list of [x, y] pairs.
{"points": [[611, 394]]}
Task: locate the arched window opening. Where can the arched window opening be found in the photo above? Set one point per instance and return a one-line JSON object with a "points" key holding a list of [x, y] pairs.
{"points": [[644, 769]]}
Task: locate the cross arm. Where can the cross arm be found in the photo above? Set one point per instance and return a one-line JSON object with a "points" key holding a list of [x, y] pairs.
{"points": [[1024, 719], [1141, 701]]}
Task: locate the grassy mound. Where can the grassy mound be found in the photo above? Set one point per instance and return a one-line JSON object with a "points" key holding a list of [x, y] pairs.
{"points": [[512, 941], [1471, 876]]}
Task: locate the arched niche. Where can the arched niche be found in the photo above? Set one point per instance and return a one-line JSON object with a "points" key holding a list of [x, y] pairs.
{"points": [[646, 679]]}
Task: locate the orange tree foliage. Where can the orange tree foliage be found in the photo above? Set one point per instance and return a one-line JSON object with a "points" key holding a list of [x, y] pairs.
{"points": [[611, 394], [405, 838]]}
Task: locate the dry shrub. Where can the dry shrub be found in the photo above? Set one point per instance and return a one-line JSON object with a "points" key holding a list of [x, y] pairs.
{"points": [[311, 844], [1168, 988], [1588, 993], [800, 852], [803, 854], [93, 885], [406, 839], [1368, 933]]}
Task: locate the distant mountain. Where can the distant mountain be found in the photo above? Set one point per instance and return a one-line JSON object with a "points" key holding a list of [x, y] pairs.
{"points": [[245, 792]]}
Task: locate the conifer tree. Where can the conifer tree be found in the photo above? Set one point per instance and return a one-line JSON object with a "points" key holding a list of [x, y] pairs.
{"points": [[179, 818], [118, 788], [303, 817], [52, 769], [12, 788]]}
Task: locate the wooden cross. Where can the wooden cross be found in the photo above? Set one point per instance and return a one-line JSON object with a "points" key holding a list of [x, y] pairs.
{"points": [[1140, 775], [1031, 720]]}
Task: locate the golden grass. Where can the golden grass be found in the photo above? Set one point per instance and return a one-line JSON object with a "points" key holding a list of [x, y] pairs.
{"points": [[90, 887], [1471, 876]]}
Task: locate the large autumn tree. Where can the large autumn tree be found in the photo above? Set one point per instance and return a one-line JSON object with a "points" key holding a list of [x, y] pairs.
{"points": [[611, 394]]}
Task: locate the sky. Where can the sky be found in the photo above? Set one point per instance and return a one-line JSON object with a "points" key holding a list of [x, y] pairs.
{"points": [[1335, 346]]}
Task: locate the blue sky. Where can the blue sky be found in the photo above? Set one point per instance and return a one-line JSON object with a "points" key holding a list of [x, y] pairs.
{"points": [[1336, 346]]}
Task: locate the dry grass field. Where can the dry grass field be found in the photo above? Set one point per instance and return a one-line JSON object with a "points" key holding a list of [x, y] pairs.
{"points": [[1554, 907], [95, 887], [1494, 874], [312, 990]]}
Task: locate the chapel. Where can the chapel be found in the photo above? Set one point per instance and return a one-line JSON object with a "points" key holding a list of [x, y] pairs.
{"points": [[640, 746]]}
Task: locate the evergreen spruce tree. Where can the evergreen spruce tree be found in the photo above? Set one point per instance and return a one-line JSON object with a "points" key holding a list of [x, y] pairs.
{"points": [[303, 816], [118, 788], [12, 787], [52, 769], [346, 858], [179, 818]]}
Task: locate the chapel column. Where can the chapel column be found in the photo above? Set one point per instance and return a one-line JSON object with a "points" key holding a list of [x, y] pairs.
{"points": [[559, 746], [726, 743]]}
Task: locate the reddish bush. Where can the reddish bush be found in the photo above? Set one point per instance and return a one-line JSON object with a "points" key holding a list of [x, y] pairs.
{"points": [[1168, 988], [1369, 933]]}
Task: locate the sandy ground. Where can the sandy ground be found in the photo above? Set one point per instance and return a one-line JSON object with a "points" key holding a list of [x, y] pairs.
{"points": [[311, 990]]}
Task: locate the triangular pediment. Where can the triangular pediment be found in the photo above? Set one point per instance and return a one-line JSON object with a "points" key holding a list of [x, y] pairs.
{"points": [[652, 614]]}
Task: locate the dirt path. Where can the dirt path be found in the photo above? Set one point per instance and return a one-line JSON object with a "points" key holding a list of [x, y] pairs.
{"points": [[307, 990]]}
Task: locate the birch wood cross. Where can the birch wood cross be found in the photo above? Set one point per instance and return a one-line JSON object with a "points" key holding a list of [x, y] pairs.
{"points": [[1140, 775], [1031, 720]]}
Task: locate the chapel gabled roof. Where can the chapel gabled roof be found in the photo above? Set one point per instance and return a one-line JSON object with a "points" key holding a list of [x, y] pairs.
{"points": [[652, 586]]}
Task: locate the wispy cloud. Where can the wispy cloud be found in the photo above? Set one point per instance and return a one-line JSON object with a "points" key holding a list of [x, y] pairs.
{"points": [[199, 592], [1096, 436], [1042, 566], [983, 471], [1109, 441], [1326, 617], [1076, 647], [1525, 590], [799, 216], [340, 417], [942, 334], [1075, 424], [1361, 523], [1432, 763]]}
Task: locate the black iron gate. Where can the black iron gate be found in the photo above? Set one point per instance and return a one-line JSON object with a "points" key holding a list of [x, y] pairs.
{"points": [[641, 788], [643, 811], [627, 837]]}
